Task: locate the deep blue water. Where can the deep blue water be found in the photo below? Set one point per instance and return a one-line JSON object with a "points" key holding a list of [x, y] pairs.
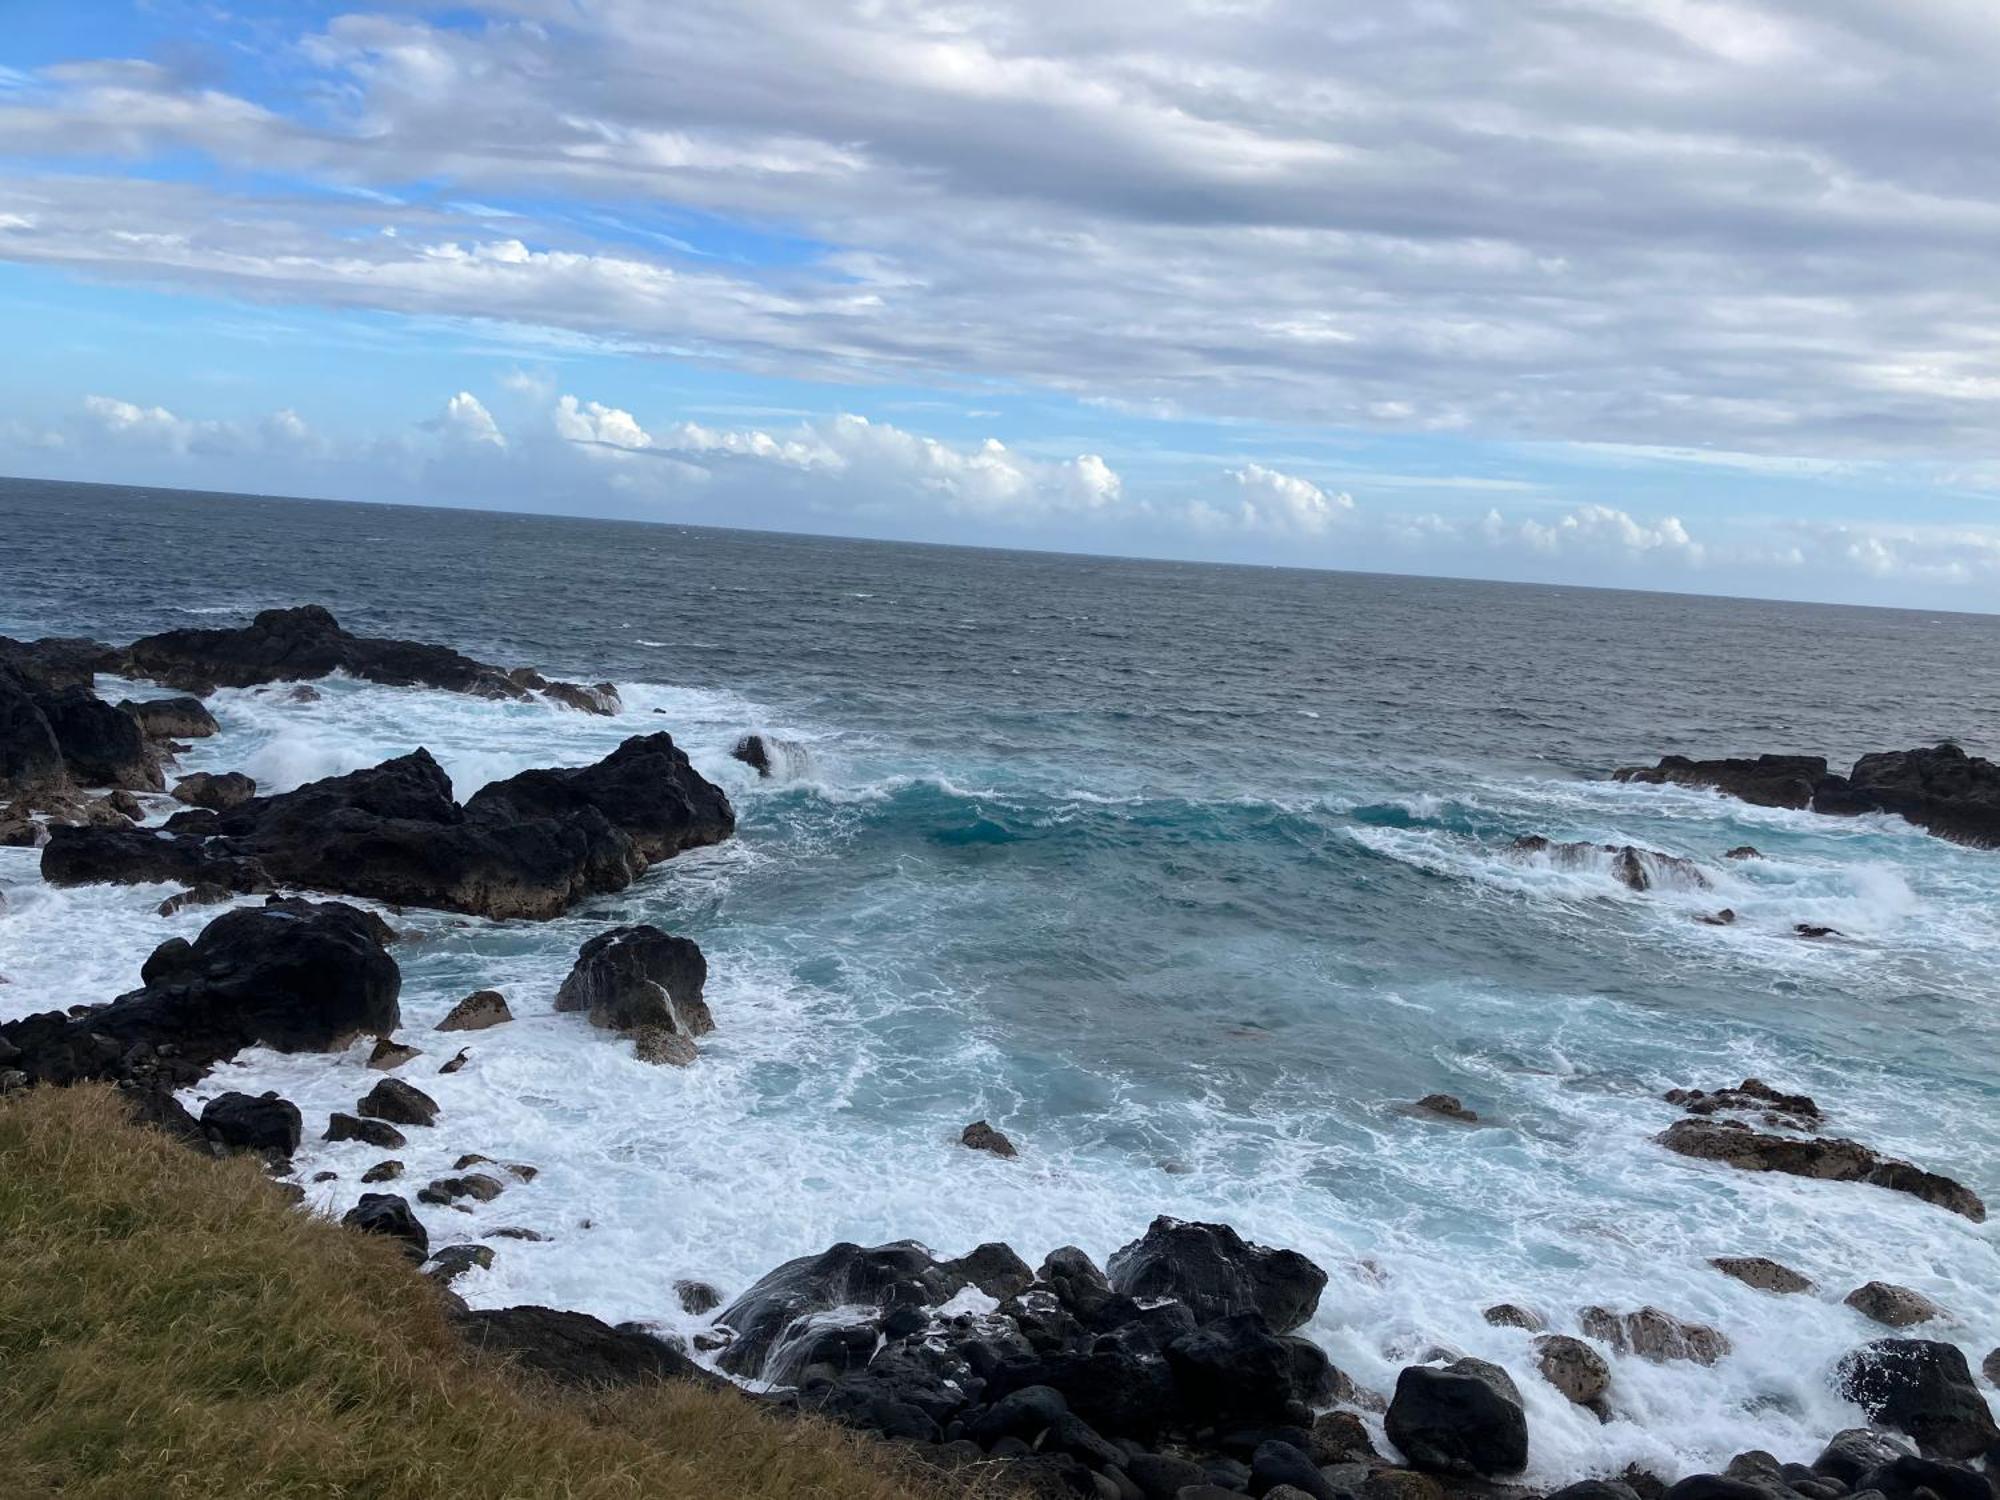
{"points": [[1186, 876]]}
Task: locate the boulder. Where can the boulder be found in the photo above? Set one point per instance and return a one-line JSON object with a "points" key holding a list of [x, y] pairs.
{"points": [[216, 791], [1235, 1366], [390, 1215], [296, 976], [31, 761], [345, 1127], [979, 1136], [475, 1185], [398, 1103], [639, 976], [388, 1055], [598, 698], [383, 1171], [697, 1297], [304, 643], [1572, 1367], [662, 1046], [646, 789], [1217, 1273], [1656, 1336], [1509, 1315], [1830, 1159], [100, 745], [477, 1011], [1744, 851], [753, 752], [1908, 1477], [172, 718], [1465, 1418], [1765, 781], [1923, 1388], [1276, 1465], [1639, 869], [775, 1315], [1446, 1107], [1853, 1451], [1752, 1096], [994, 1268], [263, 1123], [1891, 1305], [454, 1261]]}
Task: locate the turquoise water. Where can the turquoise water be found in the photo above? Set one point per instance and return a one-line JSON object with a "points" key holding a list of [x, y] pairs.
{"points": [[1186, 877]]}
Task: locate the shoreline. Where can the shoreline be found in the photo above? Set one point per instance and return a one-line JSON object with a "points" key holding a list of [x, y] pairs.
{"points": [[1185, 1331]]}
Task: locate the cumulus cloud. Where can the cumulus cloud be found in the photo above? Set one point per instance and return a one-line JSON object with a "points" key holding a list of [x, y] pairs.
{"points": [[1271, 501], [465, 419], [1599, 527], [1764, 227]]}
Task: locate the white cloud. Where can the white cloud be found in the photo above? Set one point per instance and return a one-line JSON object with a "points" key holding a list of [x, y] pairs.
{"points": [[1602, 527], [593, 422], [1272, 501], [465, 419]]}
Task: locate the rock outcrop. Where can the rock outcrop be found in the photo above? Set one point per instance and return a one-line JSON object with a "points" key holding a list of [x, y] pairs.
{"points": [[1764, 781], [574, 1349], [172, 718], [1827, 1158], [293, 975], [1922, 1388], [527, 847], [642, 982], [1465, 1418], [1635, 868], [1216, 1273]]}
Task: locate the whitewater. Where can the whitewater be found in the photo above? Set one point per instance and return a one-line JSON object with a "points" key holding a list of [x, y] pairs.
{"points": [[1189, 880]]}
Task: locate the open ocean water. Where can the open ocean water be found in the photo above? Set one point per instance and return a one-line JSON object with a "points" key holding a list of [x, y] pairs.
{"points": [[1186, 877]]}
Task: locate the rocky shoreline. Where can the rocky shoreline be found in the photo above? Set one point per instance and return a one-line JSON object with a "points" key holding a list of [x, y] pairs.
{"points": [[1175, 1370]]}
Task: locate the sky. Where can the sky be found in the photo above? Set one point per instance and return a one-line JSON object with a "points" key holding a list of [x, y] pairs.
{"points": [[1694, 295]]}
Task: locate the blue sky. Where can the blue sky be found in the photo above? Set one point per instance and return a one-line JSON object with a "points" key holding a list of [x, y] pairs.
{"points": [[1619, 291]]}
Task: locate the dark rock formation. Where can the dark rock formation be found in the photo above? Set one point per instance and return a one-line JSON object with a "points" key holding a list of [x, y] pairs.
{"points": [[1510, 1315], [1216, 1273], [206, 894], [1752, 1096], [454, 1261], [1854, 1451], [1828, 1158], [979, 1136], [383, 1171], [390, 1215], [172, 718], [754, 753], [58, 662], [475, 1185], [635, 977], [1639, 869], [574, 1349], [1463, 1419], [1446, 1107], [294, 975], [537, 844], [1766, 781], [31, 760], [1654, 1335], [1765, 1275], [345, 1127], [101, 746], [1924, 1389], [243, 1122], [477, 1011], [773, 1319], [389, 1055], [216, 791]]}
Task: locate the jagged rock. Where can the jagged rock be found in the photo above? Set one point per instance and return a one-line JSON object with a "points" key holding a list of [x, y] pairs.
{"points": [[1813, 930], [599, 698], [1509, 1315], [217, 793], [1744, 851], [979, 1136], [1891, 1305], [1237, 1366], [1751, 1096], [1922, 1388], [1216, 1272], [1654, 1335], [1765, 1275], [515, 1232], [1463, 1419], [474, 1185], [1766, 781], [172, 718], [527, 847], [388, 1055], [459, 1060], [1990, 1368], [773, 1319], [1572, 1367], [1639, 869], [477, 1011], [390, 1214], [994, 1268], [399, 1103], [290, 645], [242, 1122], [58, 662], [1447, 1107], [697, 1297], [31, 761], [1830, 1159], [297, 976], [345, 1127], [1942, 790], [205, 894], [383, 1171], [454, 1261], [574, 1349], [753, 752], [639, 976]]}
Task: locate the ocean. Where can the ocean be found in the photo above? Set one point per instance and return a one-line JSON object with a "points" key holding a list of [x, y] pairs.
{"points": [[1189, 878]]}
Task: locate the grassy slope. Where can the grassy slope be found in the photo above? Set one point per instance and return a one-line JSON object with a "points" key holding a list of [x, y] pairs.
{"points": [[169, 1328]]}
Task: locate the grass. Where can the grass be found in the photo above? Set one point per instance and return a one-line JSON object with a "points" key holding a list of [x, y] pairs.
{"points": [[171, 1330]]}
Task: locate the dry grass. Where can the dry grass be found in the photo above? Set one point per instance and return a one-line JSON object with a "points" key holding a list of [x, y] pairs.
{"points": [[170, 1330]]}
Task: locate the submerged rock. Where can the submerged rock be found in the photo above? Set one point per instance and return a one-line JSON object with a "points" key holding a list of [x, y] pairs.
{"points": [[296, 976], [1217, 1273], [205, 894], [1633, 867], [454, 1261], [1765, 1275], [1922, 1388], [388, 1055], [1446, 1106], [753, 752], [1751, 1096], [979, 1136], [1509, 1315]]}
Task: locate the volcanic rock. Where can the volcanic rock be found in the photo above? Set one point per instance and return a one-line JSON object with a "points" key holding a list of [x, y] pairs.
{"points": [[1216, 1273], [1922, 1388], [172, 718], [477, 1011], [399, 1103], [1463, 1419], [1766, 781], [1830, 1159], [1654, 1335], [979, 1136], [345, 1127], [639, 976], [241, 1122], [1891, 1305], [390, 1214], [217, 792], [1765, 1275], [1572, 1367]]}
